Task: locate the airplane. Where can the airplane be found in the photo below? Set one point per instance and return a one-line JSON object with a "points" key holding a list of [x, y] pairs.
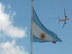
{"points": [[65, 19]]}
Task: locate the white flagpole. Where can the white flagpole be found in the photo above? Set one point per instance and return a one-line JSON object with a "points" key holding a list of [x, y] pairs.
{"points": [[31, 31]]}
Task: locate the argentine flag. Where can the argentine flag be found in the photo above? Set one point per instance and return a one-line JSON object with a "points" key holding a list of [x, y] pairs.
{"points": [[40, 33]]}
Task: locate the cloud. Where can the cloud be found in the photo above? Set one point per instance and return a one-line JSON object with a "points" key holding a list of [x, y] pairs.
{"points": [[14, 32], [11, 48], [8, 29], [6, 24]]}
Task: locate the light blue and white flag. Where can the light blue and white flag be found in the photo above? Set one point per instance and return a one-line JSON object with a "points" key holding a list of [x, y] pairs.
{"points": [[40, 33]]}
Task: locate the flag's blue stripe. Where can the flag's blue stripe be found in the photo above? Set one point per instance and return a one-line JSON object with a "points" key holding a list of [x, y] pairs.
{"points": [[37, 22]]}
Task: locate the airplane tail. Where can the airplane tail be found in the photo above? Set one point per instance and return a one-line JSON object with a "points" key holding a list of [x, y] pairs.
{"points": [[58, 20]]}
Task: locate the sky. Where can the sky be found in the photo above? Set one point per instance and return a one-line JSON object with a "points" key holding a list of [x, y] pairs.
{"points": [[15, 24]]}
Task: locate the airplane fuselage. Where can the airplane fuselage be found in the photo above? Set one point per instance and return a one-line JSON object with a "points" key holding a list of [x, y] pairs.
{"points": [[65, 19]]}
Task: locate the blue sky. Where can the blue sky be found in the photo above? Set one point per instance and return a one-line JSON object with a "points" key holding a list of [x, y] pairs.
{"points": [[47, 11]]}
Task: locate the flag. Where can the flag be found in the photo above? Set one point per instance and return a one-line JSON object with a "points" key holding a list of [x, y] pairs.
{"points": [[40, 33]]}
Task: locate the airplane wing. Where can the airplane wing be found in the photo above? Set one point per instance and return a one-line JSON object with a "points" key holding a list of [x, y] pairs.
{"points": [[64, 24], [65, 18], [64, 13]]}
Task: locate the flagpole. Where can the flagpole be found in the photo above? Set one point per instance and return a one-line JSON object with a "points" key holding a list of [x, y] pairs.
{"points": [[31, 31]]}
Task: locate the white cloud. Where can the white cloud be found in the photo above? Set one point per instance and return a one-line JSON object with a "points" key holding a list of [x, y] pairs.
{"points": [[6, 24], [14, 32], [8, 29], [11, 48]]}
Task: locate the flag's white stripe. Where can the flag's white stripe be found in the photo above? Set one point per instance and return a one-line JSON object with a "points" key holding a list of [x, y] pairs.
{"points": [[37, 31]]}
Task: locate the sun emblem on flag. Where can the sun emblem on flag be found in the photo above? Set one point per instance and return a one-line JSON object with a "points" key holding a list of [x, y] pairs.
{"points": [[42, 36]]}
